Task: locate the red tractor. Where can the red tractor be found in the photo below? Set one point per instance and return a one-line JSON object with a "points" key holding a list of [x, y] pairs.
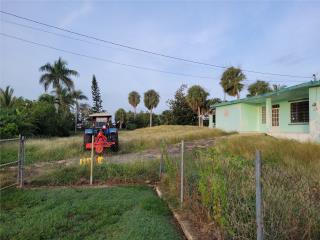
{"points": [[105, 135]]}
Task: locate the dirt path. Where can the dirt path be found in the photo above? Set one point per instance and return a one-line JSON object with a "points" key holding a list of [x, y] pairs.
{"points": [[149, 154], [39, 168]]}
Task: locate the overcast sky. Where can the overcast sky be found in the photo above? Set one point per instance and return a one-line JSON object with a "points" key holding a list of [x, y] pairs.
{"points": [[280, 37]]}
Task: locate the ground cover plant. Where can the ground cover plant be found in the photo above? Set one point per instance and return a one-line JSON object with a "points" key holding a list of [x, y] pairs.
{"points": [[220, 187], [133, 172], [54, 149], [82, 213]]}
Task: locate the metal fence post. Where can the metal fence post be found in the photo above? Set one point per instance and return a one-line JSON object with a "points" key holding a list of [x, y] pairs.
{"points": [[181, 173], [161, 164], [259, 216], [91, 163], [22, 161], [19, 162]]}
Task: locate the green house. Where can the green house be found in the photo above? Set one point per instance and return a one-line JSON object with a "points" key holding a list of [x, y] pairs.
{"points": [[292, 112]]}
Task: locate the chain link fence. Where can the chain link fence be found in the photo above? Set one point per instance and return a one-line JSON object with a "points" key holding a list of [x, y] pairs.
{"points": [[219, 189], [12, 165], [245, 199]]}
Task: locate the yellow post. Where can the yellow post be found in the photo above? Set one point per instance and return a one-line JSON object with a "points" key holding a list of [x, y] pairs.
{"points": [[91, 167]]}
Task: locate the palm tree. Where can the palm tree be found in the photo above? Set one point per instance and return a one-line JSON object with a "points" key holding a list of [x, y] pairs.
{"points": [[151, 101], [231, 82], [57, 75], [120, 116], [84, 112], [278, 87], [77, 95], [196, 98], [257, 88], [65, 98], [6, 97], [134, 100]]}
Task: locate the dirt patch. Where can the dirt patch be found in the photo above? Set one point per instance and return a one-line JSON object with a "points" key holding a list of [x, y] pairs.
{"points": [[40, 168], [155, 153]]}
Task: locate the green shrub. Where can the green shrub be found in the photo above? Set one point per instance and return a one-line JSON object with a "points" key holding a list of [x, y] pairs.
{"points": [[9, 130]]}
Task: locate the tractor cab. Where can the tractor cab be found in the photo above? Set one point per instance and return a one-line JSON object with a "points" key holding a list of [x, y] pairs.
{"points": [[104, 134]]}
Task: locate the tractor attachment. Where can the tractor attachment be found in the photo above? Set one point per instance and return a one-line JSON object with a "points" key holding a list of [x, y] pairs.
{"points": [[104, 136]]}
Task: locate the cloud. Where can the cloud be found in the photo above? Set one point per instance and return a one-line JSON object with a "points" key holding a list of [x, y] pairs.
{"points": [[85, 8]]}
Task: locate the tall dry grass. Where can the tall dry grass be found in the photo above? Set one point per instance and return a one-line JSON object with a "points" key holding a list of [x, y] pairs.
{"points": [[144, 138], [53, 149], [220, 186]]}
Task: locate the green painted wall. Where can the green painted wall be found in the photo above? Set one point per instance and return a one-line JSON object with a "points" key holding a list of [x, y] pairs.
{"points": [[228, 117], [249, 118], [314, 109], [244, 117], [285, 120]]}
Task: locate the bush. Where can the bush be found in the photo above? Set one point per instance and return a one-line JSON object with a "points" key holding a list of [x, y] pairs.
{"points": [[9, 130]]}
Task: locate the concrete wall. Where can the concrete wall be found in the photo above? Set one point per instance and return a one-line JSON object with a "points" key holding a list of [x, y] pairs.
{"points": [[228, 117], [249, 118], [314, 110], [244, 117], [211, 123], [285, 125]]}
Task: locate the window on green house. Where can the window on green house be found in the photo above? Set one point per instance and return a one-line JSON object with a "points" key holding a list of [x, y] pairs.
{"points": [[300, 112], [263, 115]]}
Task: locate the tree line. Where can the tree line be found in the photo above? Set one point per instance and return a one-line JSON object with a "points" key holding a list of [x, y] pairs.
{"points": [[62, 110], [52, 114], [186, 108]]}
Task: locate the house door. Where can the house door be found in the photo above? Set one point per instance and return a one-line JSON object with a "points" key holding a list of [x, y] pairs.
{"points": [[275, 115]]}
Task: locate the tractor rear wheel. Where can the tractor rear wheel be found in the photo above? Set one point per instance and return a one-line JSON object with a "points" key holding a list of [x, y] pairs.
{"points": [[115, 147], [86, 139]]}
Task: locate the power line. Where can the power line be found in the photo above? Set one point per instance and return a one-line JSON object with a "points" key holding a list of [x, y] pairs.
{"points": [[103, 59], [57, 34], [89, 42], [92, 43], [147, 51], [128, 65]]}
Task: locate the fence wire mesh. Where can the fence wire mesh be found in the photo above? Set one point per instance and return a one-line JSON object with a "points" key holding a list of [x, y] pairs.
{"points": [[220, 189], [11, 160]]}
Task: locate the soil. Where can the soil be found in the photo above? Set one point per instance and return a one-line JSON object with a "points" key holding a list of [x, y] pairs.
{"points": [[39, 168], [150, 154]]}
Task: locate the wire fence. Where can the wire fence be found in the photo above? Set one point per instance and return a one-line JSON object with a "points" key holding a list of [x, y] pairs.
{"points": [[12, 172], [246, 199]]}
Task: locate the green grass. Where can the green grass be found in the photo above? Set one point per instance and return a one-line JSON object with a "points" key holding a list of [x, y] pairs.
{"points": [[54, 149], [42, 150], [144, 138], [134, 172], [220, 186], [102, 213]]}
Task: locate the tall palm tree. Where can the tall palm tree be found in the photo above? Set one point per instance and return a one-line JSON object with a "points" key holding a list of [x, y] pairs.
{"points": [[231, 82], [259, 87], [134, 100], [57, 75], [65, 98], [77, 95], [196, 98], [6, 97], [151, 100]]}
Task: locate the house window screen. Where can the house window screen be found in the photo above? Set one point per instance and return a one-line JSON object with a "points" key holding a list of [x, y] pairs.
{"points": [[263, 115], [300, 112], [275, 115]]}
